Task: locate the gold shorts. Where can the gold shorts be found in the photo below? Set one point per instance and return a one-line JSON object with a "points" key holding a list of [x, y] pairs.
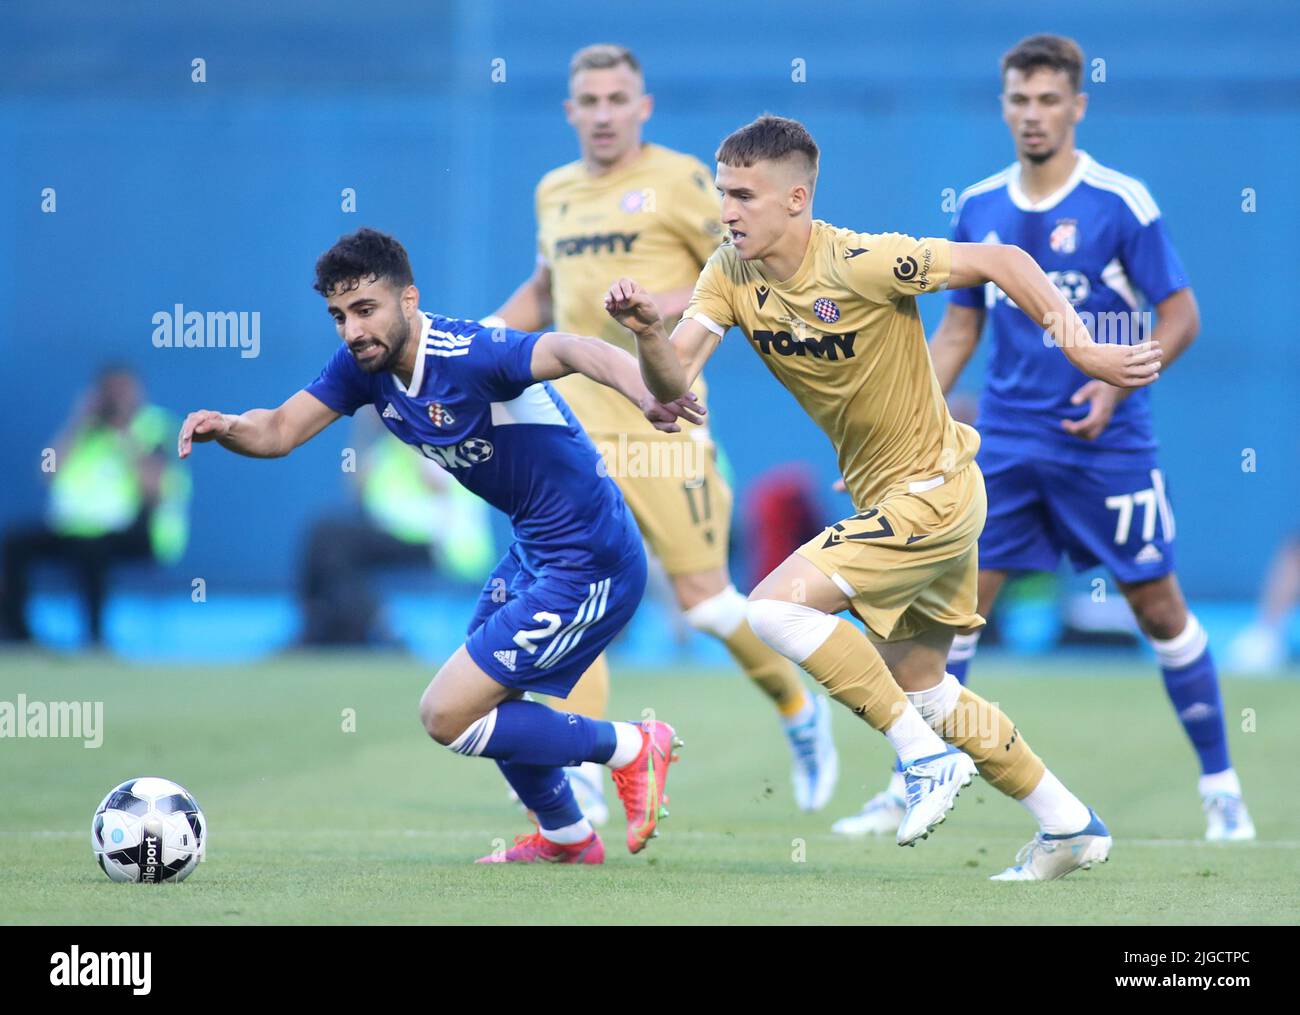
{"points": [[911, 562], [680, 501]]}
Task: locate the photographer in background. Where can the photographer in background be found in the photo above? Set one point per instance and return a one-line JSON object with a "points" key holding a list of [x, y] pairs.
{"points": [[114, 497]]}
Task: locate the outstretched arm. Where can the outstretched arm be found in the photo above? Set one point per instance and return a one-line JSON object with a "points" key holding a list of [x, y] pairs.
{"points": [[1020, 277], [668, 365], [258, 433], [557, 354]]}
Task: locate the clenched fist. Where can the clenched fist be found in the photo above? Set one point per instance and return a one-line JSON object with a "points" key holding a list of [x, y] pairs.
{"points": [[630, 305]]}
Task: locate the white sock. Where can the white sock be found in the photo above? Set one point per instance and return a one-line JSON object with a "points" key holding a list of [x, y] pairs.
{"points": [[628, 746], [1220, 782], [1182, 649], [579, 831], [1058, 811], [935, 703], [803, 716], [912, 737]]}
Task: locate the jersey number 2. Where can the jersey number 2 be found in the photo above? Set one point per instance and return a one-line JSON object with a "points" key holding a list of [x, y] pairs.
{"points": [[524, 639]]}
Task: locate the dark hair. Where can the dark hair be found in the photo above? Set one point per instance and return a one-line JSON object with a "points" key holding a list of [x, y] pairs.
{"points": [[363, 256], [602, 56], [769, 138], [114, 368], [1054, 52]]}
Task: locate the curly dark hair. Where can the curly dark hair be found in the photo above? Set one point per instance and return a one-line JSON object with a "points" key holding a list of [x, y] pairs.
{"points": [[363, 256]]}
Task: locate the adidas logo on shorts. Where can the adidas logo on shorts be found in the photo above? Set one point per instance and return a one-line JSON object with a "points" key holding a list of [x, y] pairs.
{"points": [[506, 657], [1148, 555]]}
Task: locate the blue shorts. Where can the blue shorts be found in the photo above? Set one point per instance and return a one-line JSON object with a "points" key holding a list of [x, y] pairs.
{"points": [[1038, 509], [541, 632]]}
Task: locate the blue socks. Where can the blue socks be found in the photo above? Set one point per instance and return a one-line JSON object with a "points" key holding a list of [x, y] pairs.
{"points": [[530, 733], [532, 744], [544, 791], [1192, 684]]}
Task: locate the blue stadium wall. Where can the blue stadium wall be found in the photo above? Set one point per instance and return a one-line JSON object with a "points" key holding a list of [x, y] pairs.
{"points": [[219, 196]]}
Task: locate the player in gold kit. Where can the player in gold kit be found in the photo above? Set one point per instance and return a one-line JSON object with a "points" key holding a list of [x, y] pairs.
{"points": [[626, 206], [833, 315]]}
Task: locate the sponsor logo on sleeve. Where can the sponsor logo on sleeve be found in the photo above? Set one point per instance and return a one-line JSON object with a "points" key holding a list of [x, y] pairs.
{"points": [[906, 269]]}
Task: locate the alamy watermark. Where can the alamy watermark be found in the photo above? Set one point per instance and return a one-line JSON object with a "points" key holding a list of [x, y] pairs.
{"points": [[653, 459], [1107, 328], [73, 720], [179, 328]]}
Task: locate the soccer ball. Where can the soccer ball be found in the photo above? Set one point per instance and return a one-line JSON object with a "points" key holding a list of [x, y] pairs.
{"points": [[148, 830]]}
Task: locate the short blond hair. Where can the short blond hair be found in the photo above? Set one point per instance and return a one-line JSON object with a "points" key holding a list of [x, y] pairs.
{"points": [[603, 56]]}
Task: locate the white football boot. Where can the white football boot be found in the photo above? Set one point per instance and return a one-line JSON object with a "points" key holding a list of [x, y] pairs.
{"points": [[1048, 857], [1226, 818], [880, 815], [587, 781], [932, 787], [816, 762]]}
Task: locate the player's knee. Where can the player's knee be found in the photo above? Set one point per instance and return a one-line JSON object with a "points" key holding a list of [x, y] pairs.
{"points": [[719, 615], [441, 723], [1163, 619], [794, 630]]}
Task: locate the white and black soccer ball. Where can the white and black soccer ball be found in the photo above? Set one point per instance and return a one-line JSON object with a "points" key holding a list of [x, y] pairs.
{"points": [[148, 830]]}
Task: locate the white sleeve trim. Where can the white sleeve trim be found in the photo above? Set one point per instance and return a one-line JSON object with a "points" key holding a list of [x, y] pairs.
{"points": [[710, 323]]}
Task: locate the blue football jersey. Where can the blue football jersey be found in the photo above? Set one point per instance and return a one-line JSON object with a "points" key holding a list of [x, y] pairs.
{"points": [[474, 408], [1101, 240]]}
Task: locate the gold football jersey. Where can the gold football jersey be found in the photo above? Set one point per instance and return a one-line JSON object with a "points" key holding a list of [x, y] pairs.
{"points": [[843, 335], [656, 220]]}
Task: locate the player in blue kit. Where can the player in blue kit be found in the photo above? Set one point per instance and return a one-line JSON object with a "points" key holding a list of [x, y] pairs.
{"points": [[474, 399], [1070, 463]]}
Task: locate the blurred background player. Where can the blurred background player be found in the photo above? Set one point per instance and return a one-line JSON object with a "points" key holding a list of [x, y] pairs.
{"points": [[474, 401], [114, 498], [629, 207], [1070, 463], [409, 513], [832, 314], [1263, 645]]}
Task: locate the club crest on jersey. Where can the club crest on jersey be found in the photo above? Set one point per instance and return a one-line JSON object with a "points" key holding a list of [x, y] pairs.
{"points": [[440, 415], [826, 310], [1065, 237], [632, 201]]}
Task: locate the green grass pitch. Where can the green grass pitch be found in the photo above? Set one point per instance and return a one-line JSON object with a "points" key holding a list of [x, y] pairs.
{"points": [[311, 824]]}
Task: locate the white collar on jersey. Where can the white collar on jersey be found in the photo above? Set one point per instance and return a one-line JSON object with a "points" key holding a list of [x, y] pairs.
{"points": [[1022, 202], [417, 374]]}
